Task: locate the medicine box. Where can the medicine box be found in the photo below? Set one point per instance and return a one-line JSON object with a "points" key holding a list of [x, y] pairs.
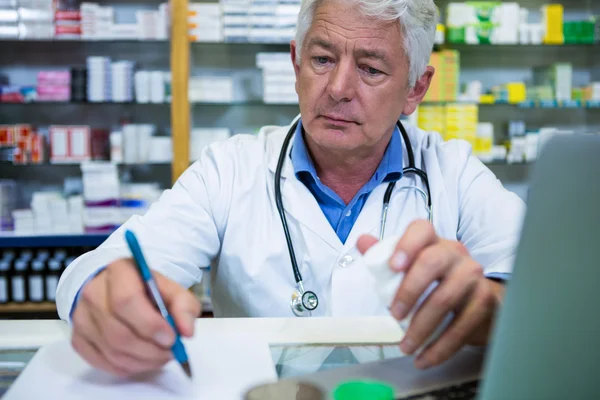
{"points": [[70, 144]]}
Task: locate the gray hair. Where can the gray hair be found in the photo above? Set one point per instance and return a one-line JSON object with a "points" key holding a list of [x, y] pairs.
{"points": [[418, 19]]}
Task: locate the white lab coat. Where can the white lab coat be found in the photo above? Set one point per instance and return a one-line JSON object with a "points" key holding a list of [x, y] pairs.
{"points": [[221, 213]]}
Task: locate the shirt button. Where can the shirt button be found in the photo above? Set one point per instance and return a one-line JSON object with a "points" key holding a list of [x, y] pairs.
{"points": [[349, 213], [346, 261]]}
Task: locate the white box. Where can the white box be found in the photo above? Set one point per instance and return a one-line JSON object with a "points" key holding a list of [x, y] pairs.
{"points": [[8, 16], [9, 31], [29, 14]]}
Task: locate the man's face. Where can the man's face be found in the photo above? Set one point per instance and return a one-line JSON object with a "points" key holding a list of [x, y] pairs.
{"points": [[352, 82]]}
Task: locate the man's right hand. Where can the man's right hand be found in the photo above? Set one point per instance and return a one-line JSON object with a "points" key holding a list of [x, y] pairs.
{"points": [[116, 326]]}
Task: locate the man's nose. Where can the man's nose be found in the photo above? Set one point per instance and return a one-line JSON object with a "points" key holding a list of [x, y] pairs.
{"points": [[343, 81]]}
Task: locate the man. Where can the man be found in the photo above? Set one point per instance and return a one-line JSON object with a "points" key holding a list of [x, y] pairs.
{"points": [[359, 65]]}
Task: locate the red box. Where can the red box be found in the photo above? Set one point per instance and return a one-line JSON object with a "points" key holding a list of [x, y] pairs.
{"points": [[67, 30], [37, 149], [23, 132], [7, 135], [66, 15]]}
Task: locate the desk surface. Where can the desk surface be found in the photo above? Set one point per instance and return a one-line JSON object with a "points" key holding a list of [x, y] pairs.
{"points": [[20, 339]]}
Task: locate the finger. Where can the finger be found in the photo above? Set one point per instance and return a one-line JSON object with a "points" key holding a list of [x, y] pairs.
{"points": [[129, 303], [433, 263], [94, 357], [445, 298], [418, 235], [109, 331], [365, 242], [477, 311], [88, 330], [124, 340], [182, 305]]}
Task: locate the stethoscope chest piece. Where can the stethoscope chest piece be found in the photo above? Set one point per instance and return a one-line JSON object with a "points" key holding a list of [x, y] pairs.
{"points": [[304, 303]]}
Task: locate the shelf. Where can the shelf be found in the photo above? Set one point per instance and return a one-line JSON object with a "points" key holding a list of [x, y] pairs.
{"points": [[526, 105], [69, 103], [446, 45], [86, 41], [27, 308], [549, 105], [241, 103], [515, 46], [11, 240]]}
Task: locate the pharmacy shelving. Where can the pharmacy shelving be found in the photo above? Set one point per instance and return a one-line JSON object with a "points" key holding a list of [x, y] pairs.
{"points": [[48, 308], [549, 104], [21, 61], [17, 241]]}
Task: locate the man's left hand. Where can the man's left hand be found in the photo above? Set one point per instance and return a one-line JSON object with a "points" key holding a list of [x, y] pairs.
{"points": [[463, 289]]}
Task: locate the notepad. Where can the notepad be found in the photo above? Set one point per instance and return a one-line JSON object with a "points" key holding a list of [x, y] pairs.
{"points": [[224, 366]]}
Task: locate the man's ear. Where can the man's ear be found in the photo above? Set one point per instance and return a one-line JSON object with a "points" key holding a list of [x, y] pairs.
{"points": [[418, 92], [295, 61]]}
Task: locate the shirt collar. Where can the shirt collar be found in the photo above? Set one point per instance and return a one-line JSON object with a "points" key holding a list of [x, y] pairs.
{"points": [[390, 168]]}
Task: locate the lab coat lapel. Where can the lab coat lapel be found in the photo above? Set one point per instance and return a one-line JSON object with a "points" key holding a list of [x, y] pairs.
{"points": [[299, 203]]}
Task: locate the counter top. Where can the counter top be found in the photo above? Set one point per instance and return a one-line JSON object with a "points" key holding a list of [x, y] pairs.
{"points": [[31, 334]]}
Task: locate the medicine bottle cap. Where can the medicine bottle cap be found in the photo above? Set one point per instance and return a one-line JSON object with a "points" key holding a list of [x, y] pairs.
{"points": [[363, 390]]}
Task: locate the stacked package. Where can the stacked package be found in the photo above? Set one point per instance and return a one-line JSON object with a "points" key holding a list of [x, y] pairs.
{"points": [[205, 22], [122, 81], [67, 24], [270, 21], [9, 19], [279, 80], [96, 21], [236, 20], [36, 19], [101, 197], [559, 77], [54, 86], [483, 22], [446, 81], [452, 121], [29, 144], [99, 85], [153, 25]]}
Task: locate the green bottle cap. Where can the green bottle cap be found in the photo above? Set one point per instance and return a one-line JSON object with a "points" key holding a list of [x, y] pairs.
{"points": [[363, 390]]}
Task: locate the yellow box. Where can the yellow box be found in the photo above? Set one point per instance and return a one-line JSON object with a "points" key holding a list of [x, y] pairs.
{"points": [[517, 92], [487, 99], [553, 22]]}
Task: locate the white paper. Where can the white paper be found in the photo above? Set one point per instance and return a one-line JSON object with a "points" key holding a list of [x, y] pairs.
{"points": [[224, 366]]}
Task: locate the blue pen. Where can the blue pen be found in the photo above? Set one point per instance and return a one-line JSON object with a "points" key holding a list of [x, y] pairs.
{"points": [[178, 350]]}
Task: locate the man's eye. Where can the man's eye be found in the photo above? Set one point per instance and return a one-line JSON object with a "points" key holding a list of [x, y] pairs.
{"points": [[371, 70], [321, 60]]}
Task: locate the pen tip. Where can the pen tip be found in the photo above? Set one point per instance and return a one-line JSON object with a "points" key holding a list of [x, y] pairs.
{"points": [[187, 369]]}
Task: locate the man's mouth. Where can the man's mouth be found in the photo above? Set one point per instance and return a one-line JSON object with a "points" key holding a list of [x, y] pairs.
{"points": [[337, 119]]}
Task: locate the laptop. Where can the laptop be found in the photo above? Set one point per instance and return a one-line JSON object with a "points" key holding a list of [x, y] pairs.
{"points": [[546, 344]]}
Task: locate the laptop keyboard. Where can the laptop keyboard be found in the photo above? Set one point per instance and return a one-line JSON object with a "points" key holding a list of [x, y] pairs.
{"points": [[464, 391]]}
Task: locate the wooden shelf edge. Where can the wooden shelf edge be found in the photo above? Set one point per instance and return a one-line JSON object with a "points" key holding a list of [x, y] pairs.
{"points": [[27, 307]]}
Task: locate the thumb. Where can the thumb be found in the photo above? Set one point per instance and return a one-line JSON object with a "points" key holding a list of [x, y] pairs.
{"points": [[365, 242], [182, 304]]}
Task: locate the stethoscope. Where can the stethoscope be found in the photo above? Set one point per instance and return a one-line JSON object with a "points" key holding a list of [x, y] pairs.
{"points": [[304, 301]]}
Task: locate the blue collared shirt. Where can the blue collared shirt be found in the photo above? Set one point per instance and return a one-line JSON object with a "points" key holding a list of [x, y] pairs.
{"points": [[342, 216]]}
